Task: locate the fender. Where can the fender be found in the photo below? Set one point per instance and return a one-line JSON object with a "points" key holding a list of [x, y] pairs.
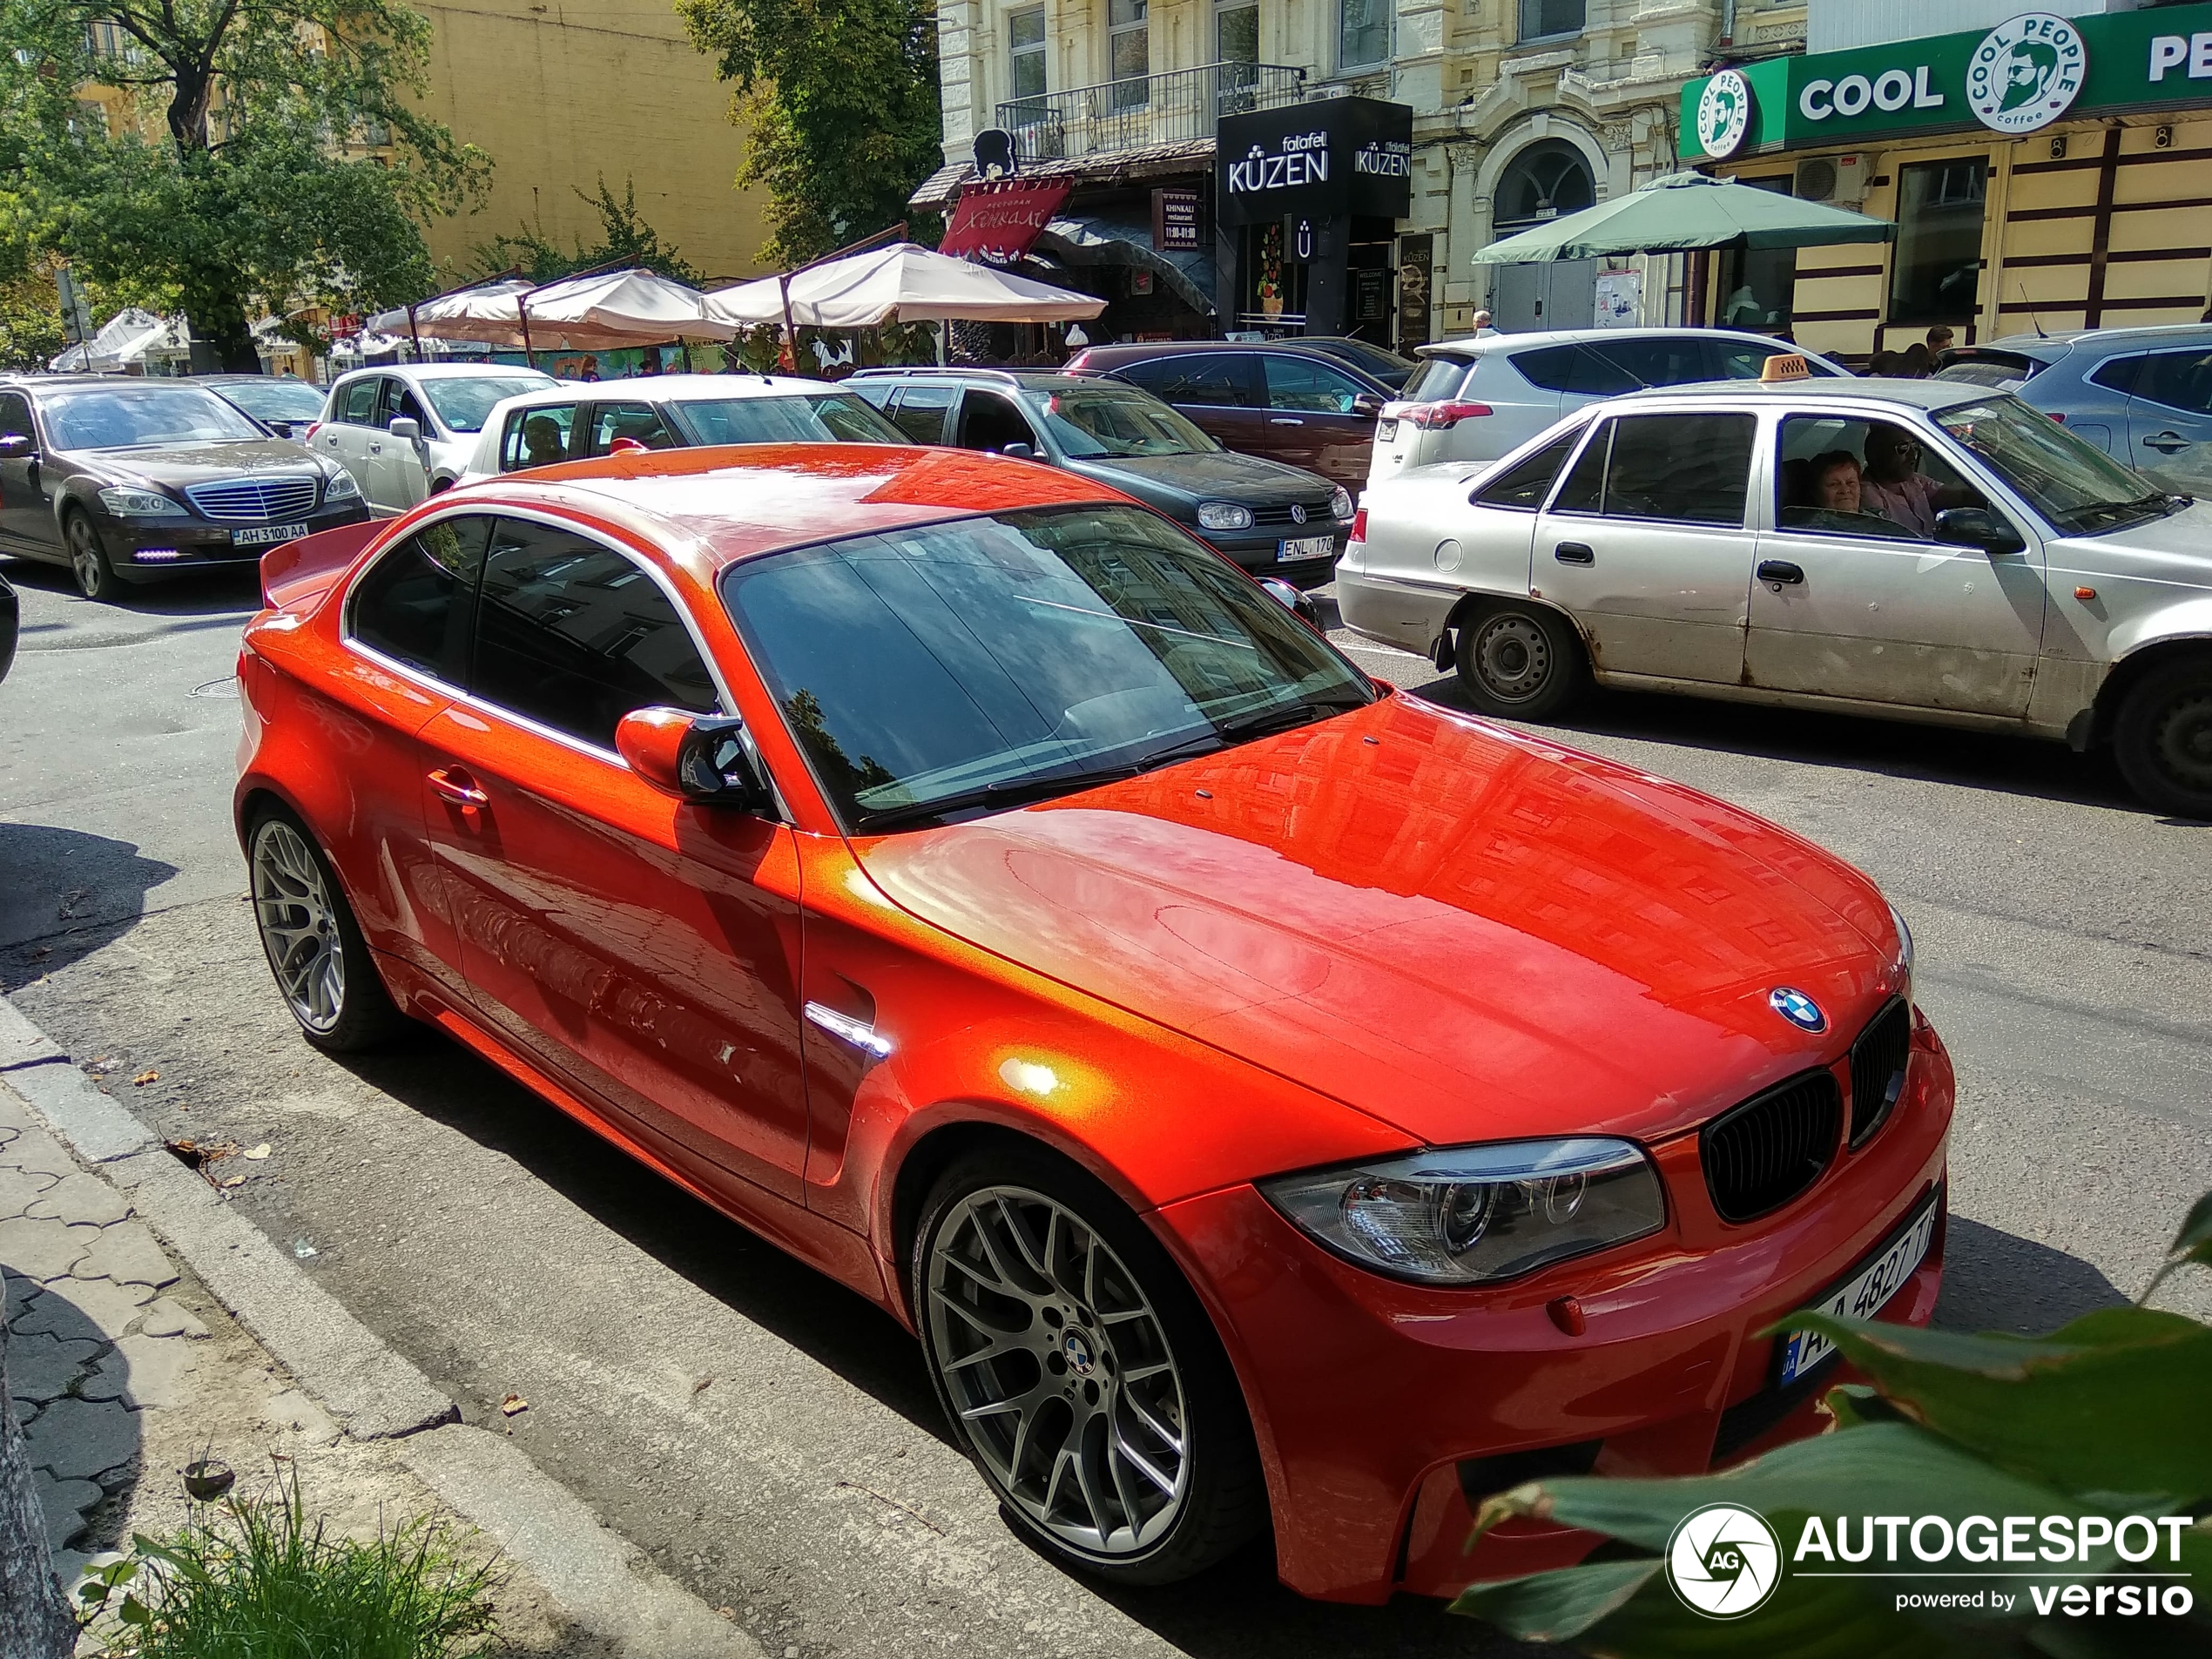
{"points": [[2189, 618]]}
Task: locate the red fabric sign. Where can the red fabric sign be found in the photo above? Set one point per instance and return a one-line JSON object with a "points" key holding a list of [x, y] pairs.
{"points": [[999, 220]]}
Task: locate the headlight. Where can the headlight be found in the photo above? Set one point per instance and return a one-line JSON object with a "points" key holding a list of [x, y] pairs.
{"points": [[138, 503], [1223, 516], [1340, 504], [1905, 951], [1472, 1215], [339, 486]]}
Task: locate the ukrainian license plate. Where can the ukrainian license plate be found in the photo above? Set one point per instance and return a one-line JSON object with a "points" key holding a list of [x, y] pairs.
{"points": [[1305, 547], [1386, 430], [267, 534], [1859, 1296]]}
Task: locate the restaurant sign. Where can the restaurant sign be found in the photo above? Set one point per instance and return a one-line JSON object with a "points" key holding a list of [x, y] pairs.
{"points": [[1324, 159], [998, 219], [2028, 71]]}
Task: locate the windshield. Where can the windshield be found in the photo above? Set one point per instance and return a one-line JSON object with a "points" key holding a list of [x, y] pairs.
{"points": [[2076, 486], [1089, 422], [123, 417], [996, 659], [463, 404], [275, 399], [832, 417]]}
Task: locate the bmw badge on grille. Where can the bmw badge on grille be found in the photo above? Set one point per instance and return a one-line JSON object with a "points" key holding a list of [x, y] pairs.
{"points": [[1796, 1007]]}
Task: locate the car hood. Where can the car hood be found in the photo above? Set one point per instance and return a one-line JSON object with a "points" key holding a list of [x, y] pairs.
{"points": [[195, 464], [1468, 933], [2180, 545], [1216, 475]]}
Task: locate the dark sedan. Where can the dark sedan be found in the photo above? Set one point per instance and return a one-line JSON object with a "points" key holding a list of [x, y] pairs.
{"points": [[284, 405], [127, 480], [1273, 519]]}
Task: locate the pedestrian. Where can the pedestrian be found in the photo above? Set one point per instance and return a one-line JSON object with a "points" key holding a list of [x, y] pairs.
{"points": [[1940, 339], [1482, 324], [1884, 365], [649, 364], [1916, 365], [591, 371]]}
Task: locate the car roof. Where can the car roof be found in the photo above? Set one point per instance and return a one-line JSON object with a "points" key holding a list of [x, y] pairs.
{"points": [[1176, 348], [66, 382], [2059, 342], [442, 371], [1914, 393], [1476, 345], [1042, 379], [672, 388]]}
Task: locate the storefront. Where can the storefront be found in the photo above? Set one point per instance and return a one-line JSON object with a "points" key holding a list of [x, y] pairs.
{"points": [[2044, 174]]}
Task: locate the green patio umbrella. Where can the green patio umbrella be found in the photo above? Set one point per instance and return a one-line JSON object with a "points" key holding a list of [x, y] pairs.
{"points": [[1682, 211]]}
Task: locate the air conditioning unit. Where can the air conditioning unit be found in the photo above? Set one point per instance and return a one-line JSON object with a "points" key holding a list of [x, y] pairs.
{"points": [[1839, 180]]}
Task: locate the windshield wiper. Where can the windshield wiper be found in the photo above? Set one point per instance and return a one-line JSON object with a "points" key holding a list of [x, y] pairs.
{"points": [[1011, 791], [2158, 504], [1253, 723]]}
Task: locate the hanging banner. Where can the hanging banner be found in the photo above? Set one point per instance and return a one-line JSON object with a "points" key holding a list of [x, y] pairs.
{"points": [[999, 220]]}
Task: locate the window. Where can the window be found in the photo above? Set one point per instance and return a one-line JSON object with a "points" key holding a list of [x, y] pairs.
{"points": [[400, 403], [1025, 61], [990, 422], [417, 603], [1578, 368], [2075, 485], [920, 414], [1130, 48], [829, 417], [356, 405], [1820, 480], [1737, 360], [1758, 286], [640, 422], [1098, 420], [1547, 178], [1236, 47], [1524, 486], [1363, 33], [1679, 468], [574, 636], [1437, 380], [2118, 373], [125, 414], [1300, 383], [1542, 17], [15, 418], [2178, 379], [464, 403], [536, 437], [1216, 380], [1935, 273]]}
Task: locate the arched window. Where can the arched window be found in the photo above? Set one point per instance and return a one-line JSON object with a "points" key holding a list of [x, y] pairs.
{"points": [[1547, 178]]}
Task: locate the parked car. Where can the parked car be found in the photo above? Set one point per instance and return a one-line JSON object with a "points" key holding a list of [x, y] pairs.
{"points": [[10, 625], [1926, 549], [408, 431], [1262, 515], [127, 479], [284, 405], [1475, 398], [1288, 403], [1258, 1090], [673, 411], [2143, 395], [1379, 361]]}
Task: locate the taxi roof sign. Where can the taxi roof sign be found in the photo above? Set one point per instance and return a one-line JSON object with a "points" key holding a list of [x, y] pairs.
{"points": [[1785, 366]]}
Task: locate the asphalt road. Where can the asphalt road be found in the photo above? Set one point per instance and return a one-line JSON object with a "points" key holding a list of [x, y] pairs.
{"points": [[770, 1439]]}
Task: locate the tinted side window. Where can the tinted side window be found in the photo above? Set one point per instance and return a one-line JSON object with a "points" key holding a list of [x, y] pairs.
{"points": [[15, 417], [1661, 360], [2120, 374], [1574, 369], [2180, 380], [1215, 379], [536, 437], [990, 422], [1437, 380], [400, 399], [640, 422], [358, 406], [1299, 383], [416, 604], [1584, 490], [574, 636], [920, 414], [1525, 486], [1685, 468], [1737, 360]]}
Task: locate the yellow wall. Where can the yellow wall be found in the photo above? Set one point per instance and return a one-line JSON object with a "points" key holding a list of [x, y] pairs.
{"points": [[559, 94]]}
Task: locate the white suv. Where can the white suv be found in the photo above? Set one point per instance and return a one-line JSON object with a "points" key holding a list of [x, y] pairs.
{"points": [[407, 431], [1476, 399]]}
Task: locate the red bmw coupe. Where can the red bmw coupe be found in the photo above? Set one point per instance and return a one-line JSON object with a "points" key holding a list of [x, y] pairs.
{"points": [[1268, 1097]]}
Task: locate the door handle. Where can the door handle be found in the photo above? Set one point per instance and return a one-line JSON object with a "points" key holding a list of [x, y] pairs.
{"points": [[1285, 419], [376, 448], [1573, 553], [1780, 570], [457, 788], [2167, 442]]}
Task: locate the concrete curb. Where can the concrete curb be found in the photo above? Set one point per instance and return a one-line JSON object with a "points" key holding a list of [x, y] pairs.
{"points": [[604, 1583]]}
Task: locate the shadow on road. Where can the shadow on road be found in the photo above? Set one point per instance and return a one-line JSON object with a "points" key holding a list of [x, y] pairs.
{"points": [[229, 592], [64, 894], [1995, 1281]]}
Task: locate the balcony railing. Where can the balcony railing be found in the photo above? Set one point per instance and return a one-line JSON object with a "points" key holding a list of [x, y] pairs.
{"points": [[1144, 111]]}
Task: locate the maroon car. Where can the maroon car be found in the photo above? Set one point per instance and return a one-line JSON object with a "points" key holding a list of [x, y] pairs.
{"points": [[1287, 403]]}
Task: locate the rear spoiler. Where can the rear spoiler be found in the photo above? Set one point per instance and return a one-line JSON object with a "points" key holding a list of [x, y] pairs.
{"points": [[299, 570]]}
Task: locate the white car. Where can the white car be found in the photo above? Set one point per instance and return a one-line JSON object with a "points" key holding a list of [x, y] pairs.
{"points": [[406, 431], [1475, 398], [1988, 569], [581, 419]]}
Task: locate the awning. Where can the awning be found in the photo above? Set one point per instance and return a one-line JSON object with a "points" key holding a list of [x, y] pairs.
{"points": [[899, 283], [1682, 211], [999, 220], [1094, 238]]}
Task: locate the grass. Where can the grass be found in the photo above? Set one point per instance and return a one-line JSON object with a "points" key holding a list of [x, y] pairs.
{"points": [[252, 1579]]}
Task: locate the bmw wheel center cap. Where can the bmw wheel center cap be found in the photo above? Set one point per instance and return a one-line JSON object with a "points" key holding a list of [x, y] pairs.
{"points": [[1796, 1007], [1080, 1358]]}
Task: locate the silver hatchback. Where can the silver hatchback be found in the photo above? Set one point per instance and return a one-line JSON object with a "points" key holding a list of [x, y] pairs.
{"points": [[1923, 549]]}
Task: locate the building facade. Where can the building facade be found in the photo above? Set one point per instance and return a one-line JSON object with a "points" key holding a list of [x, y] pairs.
{"points": [[1517, 109]]}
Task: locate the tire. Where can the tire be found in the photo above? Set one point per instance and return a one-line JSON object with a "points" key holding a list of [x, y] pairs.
{"points": [[322, 966], [88, 560], [2163, 737], [1522, 661], [1133, 1461]]}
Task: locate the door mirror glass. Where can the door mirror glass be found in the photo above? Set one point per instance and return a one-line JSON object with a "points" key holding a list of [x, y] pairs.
{"points": [[1366, 404], [14, 446], [1020, 451], [403, 427], [692, 757], [1298, 604], [1977, 527]]}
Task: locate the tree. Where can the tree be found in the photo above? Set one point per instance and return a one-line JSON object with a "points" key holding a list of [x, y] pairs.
{"points": [[263, 156], [34, 1622], [32, 331], [841, 98], [625, 240]]}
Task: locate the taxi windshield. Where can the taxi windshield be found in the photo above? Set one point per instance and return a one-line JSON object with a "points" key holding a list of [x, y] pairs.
{"points": [[2073, 483]]}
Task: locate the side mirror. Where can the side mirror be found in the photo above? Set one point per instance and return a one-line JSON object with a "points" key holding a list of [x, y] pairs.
{"points": [[1298, 604], [405, 426], [1977, 527], [1368, 404], [1019, 451], [696, 758], [16, 447]]}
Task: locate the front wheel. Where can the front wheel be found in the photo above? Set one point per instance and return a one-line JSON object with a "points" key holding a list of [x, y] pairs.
{"points": [[1080, 1373], [88, 560], [315, 947], [2163, 737], [1523, 662]]}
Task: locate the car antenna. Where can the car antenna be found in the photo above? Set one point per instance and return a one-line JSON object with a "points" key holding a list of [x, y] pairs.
{"points": [[2030, 304]]}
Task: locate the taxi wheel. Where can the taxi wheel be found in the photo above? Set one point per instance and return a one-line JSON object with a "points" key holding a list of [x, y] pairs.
{"points": [[1520, 661], [315, 947], [1080, 1373], [2163, 737], [89, 563]]}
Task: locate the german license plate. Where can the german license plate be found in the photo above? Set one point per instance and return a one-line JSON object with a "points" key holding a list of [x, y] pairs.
{"points": [[267, 534], [1305, 547], [1863, 1293]]}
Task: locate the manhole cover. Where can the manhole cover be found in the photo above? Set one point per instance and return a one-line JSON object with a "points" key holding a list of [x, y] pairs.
{"points": [[226, 686]]}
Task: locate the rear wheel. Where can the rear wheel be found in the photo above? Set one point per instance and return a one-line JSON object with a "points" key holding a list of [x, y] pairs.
{"points": [[315, 947], [88, 560], [1520, 661], [2163, 737]]}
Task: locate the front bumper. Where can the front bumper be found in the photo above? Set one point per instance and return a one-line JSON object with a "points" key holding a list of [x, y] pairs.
{"points": [[147, 546], [1386, 1412], [1259, 550]]}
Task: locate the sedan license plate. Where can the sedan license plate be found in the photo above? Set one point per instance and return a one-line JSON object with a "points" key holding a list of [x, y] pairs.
{"points": [[267, 534], [1859, 1296], [1305, 547]]}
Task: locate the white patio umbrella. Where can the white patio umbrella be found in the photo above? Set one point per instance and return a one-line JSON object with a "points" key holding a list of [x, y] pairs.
{"points": [[900, 283], [128, 337], [628, 307], [487, 314]]}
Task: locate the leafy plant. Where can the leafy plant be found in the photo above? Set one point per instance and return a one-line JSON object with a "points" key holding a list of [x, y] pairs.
{"points": [[625, 239], [2105, 1418]]}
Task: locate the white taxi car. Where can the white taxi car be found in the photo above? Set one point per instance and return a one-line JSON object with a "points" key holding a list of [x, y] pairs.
{"points": [[1917, 549]]}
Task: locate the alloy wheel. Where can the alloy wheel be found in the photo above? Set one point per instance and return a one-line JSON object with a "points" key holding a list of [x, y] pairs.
{"points": [[1060, 1371], [1511, 657], [86, 562], [299, 926]]}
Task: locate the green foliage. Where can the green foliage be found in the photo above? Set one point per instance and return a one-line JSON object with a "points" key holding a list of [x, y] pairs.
{"points": [[841, 100], [2105, 1417], [254, 1580], [625, 241], [31, 334]]}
